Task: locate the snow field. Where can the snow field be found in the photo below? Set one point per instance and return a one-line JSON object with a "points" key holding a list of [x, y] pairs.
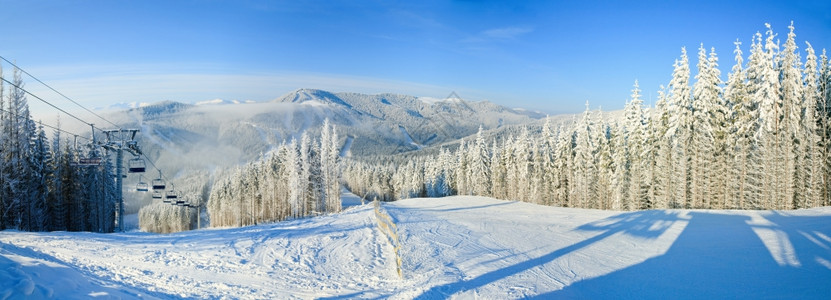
{"points": [[328, 255], [455, 247]]}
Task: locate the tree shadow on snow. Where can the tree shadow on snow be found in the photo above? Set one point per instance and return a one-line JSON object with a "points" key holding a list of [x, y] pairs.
{"points": [[724, 256], [644, 224], [501, 203]]}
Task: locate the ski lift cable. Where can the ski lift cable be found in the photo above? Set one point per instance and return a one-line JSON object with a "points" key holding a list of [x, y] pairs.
{"points": [[59, 93], [161, 174], [49, 126], [67, 113], [79, 119], [47, 102]]}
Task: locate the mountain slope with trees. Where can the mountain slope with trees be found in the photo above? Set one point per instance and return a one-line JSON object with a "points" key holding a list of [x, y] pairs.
{"points": [[758, 141]]}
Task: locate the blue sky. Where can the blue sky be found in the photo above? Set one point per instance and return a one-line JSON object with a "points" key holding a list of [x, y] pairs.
{"points": [[550, 56]]}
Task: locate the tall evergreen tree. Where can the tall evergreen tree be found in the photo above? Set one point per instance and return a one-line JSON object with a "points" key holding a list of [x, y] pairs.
{"points": [[680, 129], [810, 138]]}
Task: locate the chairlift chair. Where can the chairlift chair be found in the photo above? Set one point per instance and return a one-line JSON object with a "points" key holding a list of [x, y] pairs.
{"points": [[142, 186], [157, 195], [171, 195], [158, 185], [136, 165]]}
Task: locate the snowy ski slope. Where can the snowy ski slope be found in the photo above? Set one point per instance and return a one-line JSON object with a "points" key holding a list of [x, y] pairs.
{"points": [[455, 247]]}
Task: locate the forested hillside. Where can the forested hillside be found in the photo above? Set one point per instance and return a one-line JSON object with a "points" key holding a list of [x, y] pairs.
{"points": [[41, 185], [760, 140]]}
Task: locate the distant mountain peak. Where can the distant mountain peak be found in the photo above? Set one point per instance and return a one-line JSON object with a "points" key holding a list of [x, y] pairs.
{"points": [[122, 106], [453, 97], [222, 102], [307, 95], [167, 106]]}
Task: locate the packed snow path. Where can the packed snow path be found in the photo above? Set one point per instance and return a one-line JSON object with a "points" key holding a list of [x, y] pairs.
{"points": [[463, 247]]}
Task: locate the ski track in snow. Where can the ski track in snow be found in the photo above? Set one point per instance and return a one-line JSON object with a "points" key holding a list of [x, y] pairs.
{"points": [[455, 247]]}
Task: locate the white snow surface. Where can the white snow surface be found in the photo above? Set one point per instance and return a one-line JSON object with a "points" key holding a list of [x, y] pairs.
{"points": [[455, 247]]}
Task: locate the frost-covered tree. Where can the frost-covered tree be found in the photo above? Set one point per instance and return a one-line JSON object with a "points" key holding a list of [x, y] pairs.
{"points": [[809, 136], [584, 167], [289, 182], [702, 152], [680, 129], [742, 147], [621, 178], [479, 170], [824, 124], [790, 72], [634, 140], [662, 144]]}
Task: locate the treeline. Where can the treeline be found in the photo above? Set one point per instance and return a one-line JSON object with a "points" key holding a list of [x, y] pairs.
{"points": [[41, 188], [298, 179], [162, 217], [759, 140], [166, 217]]}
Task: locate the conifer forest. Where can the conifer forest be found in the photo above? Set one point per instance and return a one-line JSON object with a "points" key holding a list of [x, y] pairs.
{"points": [[759, 140]]}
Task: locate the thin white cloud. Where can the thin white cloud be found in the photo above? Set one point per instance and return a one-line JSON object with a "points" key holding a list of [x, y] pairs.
{"points": [[499, 34], [506, 32]]}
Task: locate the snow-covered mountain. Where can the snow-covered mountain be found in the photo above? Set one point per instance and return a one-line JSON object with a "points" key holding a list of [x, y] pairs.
{"points": [[122, 106], [194, 143], [222, 102]]}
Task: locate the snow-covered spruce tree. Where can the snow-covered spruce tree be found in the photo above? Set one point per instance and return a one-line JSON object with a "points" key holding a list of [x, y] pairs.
{"points": [[330, 164], [462, 166], [524, 154], [650, 156], [295, 183], [811, 155], [564, 159], [824, 124], [56, 207], [662, 177], [40, 161], [509, 159], [479, 167], [744, 166], [4, 197], [584, 168], [498, 171], [680, 129], [768, 95], [306, 198], [634, 139], [548, 145], [720, 123], [702, 153], [537, 172], [621, 179], [792, 107], [604, 164]]}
